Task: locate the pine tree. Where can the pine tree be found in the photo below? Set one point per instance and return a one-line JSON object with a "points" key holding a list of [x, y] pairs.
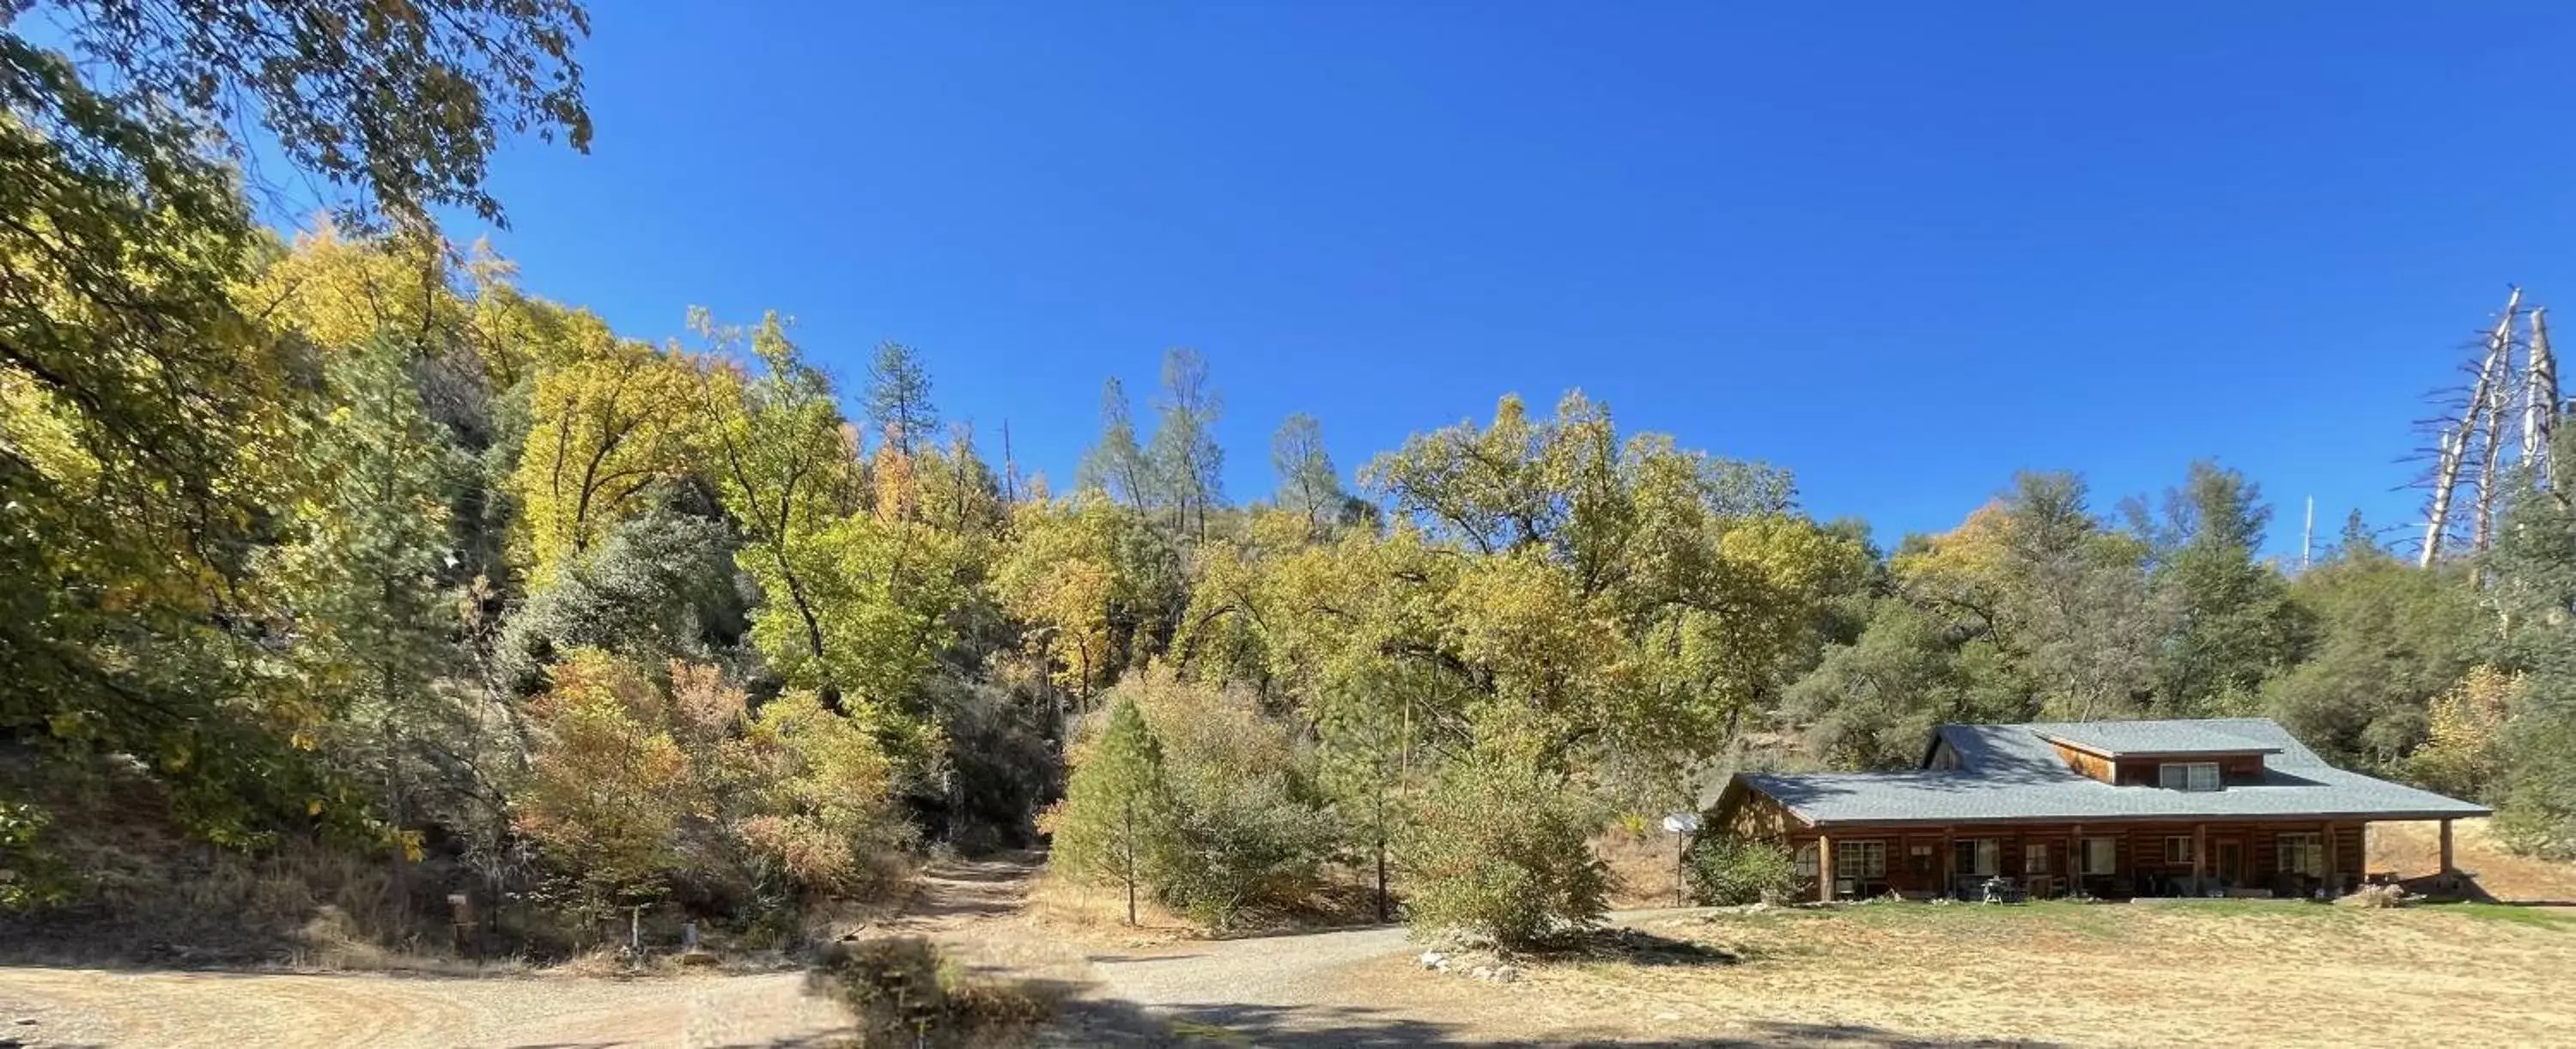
{"points": [[1114, 824], [898, 397], [365, 574]]}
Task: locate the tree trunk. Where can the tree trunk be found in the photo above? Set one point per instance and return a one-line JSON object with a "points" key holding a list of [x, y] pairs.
{"points": [[1130, 813], [2454, 449]]}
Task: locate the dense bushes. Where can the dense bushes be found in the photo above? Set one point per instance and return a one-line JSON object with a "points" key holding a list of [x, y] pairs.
{"points": [[1724, 870], [1190, 793], [641, 788], [1499, 849]]}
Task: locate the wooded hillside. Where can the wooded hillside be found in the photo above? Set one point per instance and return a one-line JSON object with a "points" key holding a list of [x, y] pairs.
{"points": [[341, 544]]}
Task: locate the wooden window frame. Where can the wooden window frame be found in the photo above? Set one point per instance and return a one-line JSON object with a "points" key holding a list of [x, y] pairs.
{"points": [[2034, 857], [2110, 857], [2178, 849], [2180, 775], [1861, 860], [1980, 850], [2290, 847], [1806, 860]]}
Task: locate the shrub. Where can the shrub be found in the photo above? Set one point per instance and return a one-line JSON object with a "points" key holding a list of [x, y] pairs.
{"points": [[904, 991], [1114, 824], [1250, 829], [1192, 794], [1724, 870], [817, 787], [609, 788], [30, 875], [1500, 850]]}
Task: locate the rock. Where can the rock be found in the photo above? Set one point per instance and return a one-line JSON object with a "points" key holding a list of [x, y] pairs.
{"points": [[1667, 1017], [1757, 907], [1434, 960], [694, 959], [1506, 974]]}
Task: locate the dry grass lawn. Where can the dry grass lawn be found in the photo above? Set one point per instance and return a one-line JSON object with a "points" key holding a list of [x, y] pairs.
{"points": [[2180, 972], [2416, 848]]}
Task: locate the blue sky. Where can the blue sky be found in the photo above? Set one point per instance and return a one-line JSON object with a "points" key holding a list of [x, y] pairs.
{"points": [[1902, 249]]}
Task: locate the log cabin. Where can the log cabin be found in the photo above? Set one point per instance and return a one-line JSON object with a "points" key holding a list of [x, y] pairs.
{"points": [[2228, 806]]}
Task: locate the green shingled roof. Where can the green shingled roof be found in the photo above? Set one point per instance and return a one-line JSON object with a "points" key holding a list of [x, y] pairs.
{"points": [[2144, 738], [2011, 773]]}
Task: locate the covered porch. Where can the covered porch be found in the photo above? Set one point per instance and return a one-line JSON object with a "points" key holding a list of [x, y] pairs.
{"points": [[2113, 860]]}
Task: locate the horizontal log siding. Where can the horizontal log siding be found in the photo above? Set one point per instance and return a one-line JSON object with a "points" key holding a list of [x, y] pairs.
{"points": [[2137, 847]]}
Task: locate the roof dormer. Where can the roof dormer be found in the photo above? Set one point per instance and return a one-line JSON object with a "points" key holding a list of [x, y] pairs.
{"points": [[2168, 755]]}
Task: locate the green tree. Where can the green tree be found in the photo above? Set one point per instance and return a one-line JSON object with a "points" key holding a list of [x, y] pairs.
{"points": [[1500, 849], [2533, 595], [2389, 638], [2237, 624], [1118, 466], [401, 102], [1184, 452], [1308, 485], [1114, 823], [367, 576], [787, 472], [897, 399]]}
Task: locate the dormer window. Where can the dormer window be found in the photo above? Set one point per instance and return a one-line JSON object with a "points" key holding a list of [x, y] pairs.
{"points": [[2187, 775]]}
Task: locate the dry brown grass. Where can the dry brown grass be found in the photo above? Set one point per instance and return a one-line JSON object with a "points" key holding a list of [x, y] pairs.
{"points": [[1641, 866], [2415, 849], [1098, 914], [2195, 972]]}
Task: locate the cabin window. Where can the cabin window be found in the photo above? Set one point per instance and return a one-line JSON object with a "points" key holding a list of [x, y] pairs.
{"points": [[1807, 860], [2187, 775], [2099, 856], [1860, 859], [2303, 852], [1977, 856], [2177, 848], [2034, 858]]}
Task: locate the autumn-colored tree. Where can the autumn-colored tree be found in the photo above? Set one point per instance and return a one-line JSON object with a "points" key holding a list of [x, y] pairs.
{"points": [[819, 791], [609, 787], [2463, 752], [787, 467], [605, 430]]}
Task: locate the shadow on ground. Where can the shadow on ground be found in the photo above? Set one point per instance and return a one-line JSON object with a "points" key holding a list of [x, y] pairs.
{"points": [[1117, 1023]]}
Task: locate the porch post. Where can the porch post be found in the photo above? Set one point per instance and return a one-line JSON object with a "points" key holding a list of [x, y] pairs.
{"points": [[2450, 875], [2199, 858], [1949, 861], [2334, 877], [1824, 868], [2075, 859]]}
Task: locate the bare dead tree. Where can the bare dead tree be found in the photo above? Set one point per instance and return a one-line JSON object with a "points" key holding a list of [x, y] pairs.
{"points": [[2455, 445], [2497, 380], [2540, 402]]}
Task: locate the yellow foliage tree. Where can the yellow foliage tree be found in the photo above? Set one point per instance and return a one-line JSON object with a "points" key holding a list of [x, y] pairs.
{"points": [[2463, 753], [605, 431]]}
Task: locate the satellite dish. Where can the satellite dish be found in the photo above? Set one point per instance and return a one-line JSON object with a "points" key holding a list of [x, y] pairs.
{"points": [[1682, 823]]}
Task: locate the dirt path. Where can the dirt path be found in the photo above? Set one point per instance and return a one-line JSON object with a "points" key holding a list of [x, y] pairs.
{"points": [[90, 1007], [1356, 987]]}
